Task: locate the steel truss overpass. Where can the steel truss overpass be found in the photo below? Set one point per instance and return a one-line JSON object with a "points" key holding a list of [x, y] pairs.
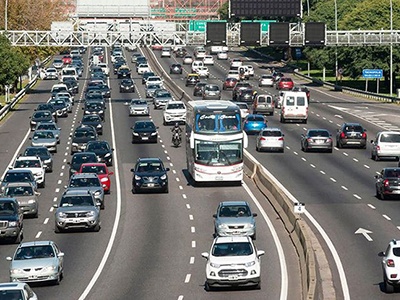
{"points": [[184, 37]]}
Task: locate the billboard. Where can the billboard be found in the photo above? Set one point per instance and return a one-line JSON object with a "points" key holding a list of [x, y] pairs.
{"points": [[113, 9], [265, 8], [250, 34]]}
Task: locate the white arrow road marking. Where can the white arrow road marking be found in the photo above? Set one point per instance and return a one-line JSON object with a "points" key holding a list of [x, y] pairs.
{"points": [[365, 233]]}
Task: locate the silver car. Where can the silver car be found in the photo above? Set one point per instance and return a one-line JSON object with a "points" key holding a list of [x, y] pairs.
{"points": [[37, 261], [270, 139], [77, 210], [26, 196], [90, 182], [150, 89], [139, 107], [234, 218], [50, 126], [317, 139], [211, 91], [20, 290], [45, 138]]}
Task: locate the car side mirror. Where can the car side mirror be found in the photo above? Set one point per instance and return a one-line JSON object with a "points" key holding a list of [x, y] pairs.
{"points": [[167, 169], [132, 170], [111, 173], [61, 254], [254, 214], [260, 253], [55, 205], [382, 254], [214, 215], [205, 255]]}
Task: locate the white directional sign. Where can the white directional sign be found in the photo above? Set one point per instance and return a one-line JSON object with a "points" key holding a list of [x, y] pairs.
{"points": [[365, 233]]}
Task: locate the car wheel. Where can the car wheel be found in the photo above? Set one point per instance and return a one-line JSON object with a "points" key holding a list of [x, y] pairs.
{"points": [[207, 287], [36, 215], [305, 121], [382, 196], [254, 237], [18, 239], [330, 150], [97, 228], [57, 281], [57, 229], [55, 151], [388, 287], [337, 144], [271, 114], [377, 194], [376, 158], [102, 206], [166, 190], [364, 147], [43, 185], [257, 149]]}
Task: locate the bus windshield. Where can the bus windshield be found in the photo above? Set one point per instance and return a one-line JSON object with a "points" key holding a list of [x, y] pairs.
{"points": [[217, 122], [218, 153]]}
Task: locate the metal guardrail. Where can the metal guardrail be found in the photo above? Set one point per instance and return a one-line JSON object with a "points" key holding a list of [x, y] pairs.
{"points": [[9, 106]]}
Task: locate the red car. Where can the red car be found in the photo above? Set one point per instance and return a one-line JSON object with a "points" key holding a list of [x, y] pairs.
{"points": [[229, 83], [285, 83], [102, 172], [67, 59]]}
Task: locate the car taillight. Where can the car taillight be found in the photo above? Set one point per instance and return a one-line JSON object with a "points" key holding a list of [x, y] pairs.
{"points": [[364, 135], [390, 263], [280, 139], [342, 135], [329, 140], [310, 140], [386, 182], [262, 138]]}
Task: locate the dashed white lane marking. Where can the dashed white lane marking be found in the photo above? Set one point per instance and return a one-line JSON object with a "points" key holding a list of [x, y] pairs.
{"points": [[51, 209], [345, 188], [38, 235], [61, 174], [355, 159], [184, 196], [173, 171], [322, 172], [168, 158], [191, 217], [66, 154], [366, 166], [303, 159], [345, 154], [191, 261], [312, 166], [165, 151], [161, 142], [193, 244], [46, 221], [333, 179], [62, 167], [187, 279], [398, 227], [188, 206], [59, 182], [192, 229], [57, 190], [181, 187], [163, 146], [295, 153], [371, 206], [356, 196], [55, 199], [386, 217], [180, 297], [177, 179]]}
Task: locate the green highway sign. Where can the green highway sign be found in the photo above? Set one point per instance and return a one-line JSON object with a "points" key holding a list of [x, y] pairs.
{"points": [[264, 23], [201, 25]]}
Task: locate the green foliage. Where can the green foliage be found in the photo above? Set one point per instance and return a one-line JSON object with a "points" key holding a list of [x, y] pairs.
{"points": [[223, 11]]}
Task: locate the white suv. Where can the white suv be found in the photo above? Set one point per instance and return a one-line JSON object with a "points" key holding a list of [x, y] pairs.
{"points": [[34, 164], [174, 111], [386, 144], [233, 261], [391, 266]]}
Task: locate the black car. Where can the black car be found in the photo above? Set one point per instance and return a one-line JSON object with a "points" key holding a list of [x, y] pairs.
{"points": [[117, 65], [199, 88], [351, 135], [72, 83], [48, 106], [146, 75], [141, 60], [144, 131], [102, 150], [95, 121], [388, 183], [60, 106], [81, 136], [11, 218], [149, 174], [18, 175], [175, 69], [80, 158], [123, 72], [44, 155], [127, 86], [181, 52], [93, 108], [105, 90], [40, 116], [245, 95]]}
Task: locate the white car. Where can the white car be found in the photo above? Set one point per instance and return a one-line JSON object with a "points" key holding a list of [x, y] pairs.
{"points": [[66, 94], [105, 68], [203, 72], [233, 74], [174, 111], [34, 164], [233, 261], [244, 109], [266, 80], [250, 70], [20, 290], [154, 80], [187, 60], [236, 62], [386, 144], [270, 139], [142, 68], [208, 60], [200, 53], [391, 266], [166, 52], [222, 55], [51, 73]]}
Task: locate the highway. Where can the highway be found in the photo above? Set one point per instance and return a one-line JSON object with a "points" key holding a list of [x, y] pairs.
{"points": [[150, 244]]}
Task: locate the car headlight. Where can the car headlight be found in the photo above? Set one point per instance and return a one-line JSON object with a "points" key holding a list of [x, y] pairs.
{"points": [[163, 177], [97, 193], [99, 126], [49, 268], [137, 177], [249, 225], [62, 214], [223, 226], [87, 112], [154, 133], [250, 263], [33, 122], [104, 179], [100, 111], [16, 271], [107, 155], [90, 214], [31, 201], [214, 265], [75, 145], [47, 161], [135, 134], [13, 224]]}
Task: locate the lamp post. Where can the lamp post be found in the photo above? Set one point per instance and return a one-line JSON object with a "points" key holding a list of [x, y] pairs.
{"points": [[336, 54], [391, 48], [5, 15]]}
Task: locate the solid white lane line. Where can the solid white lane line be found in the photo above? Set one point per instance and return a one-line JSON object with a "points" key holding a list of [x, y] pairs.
{"points": [[278, 245], [187, 279]]}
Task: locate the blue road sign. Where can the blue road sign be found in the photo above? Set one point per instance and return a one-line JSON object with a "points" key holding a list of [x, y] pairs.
{"points": [[372, 73]]}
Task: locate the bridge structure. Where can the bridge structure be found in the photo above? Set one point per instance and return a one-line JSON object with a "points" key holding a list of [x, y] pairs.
{"points": [[177, 33]]}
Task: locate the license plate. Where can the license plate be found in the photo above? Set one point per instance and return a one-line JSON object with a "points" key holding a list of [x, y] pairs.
{"points": [[218, 177], [32, 277], [233, 277], [145, 138], [150, 185]]}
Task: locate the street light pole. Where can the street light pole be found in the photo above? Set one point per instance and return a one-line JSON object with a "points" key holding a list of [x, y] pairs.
{"points": [[391, 48], [5, 16], [336, 54]]}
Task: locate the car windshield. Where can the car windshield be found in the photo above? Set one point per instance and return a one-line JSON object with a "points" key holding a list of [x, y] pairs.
{"points": [[392, 173], [213, 88], [79, 159], [94, 169], [176, 106], [318, 133], [84, 182], [11, 294], [218, 153], [27, 163], [234, 211], [36, 151], [41, 114], [81, 134], [19, 191], [256, 118], [97, 146], [271, 133], [7, 208], [232, 249], [351, 128], [144, 125], [76, 201], [91, 118], [34, 252], [47, 127], [43, 135], [139, 102], [218, 122], [149, 167], [17, 177], [390, 137], [163, 95]]}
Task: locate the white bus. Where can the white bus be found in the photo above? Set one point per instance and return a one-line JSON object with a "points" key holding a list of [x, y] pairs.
{"points": [[214, 141]]}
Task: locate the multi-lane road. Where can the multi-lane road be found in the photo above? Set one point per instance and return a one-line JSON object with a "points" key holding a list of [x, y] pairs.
{"points": [[150, 244]]}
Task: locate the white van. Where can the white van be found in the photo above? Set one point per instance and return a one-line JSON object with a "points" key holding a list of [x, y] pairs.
{"points": [[197, 64], [386, 144], [294, 107], [69, 71]]}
